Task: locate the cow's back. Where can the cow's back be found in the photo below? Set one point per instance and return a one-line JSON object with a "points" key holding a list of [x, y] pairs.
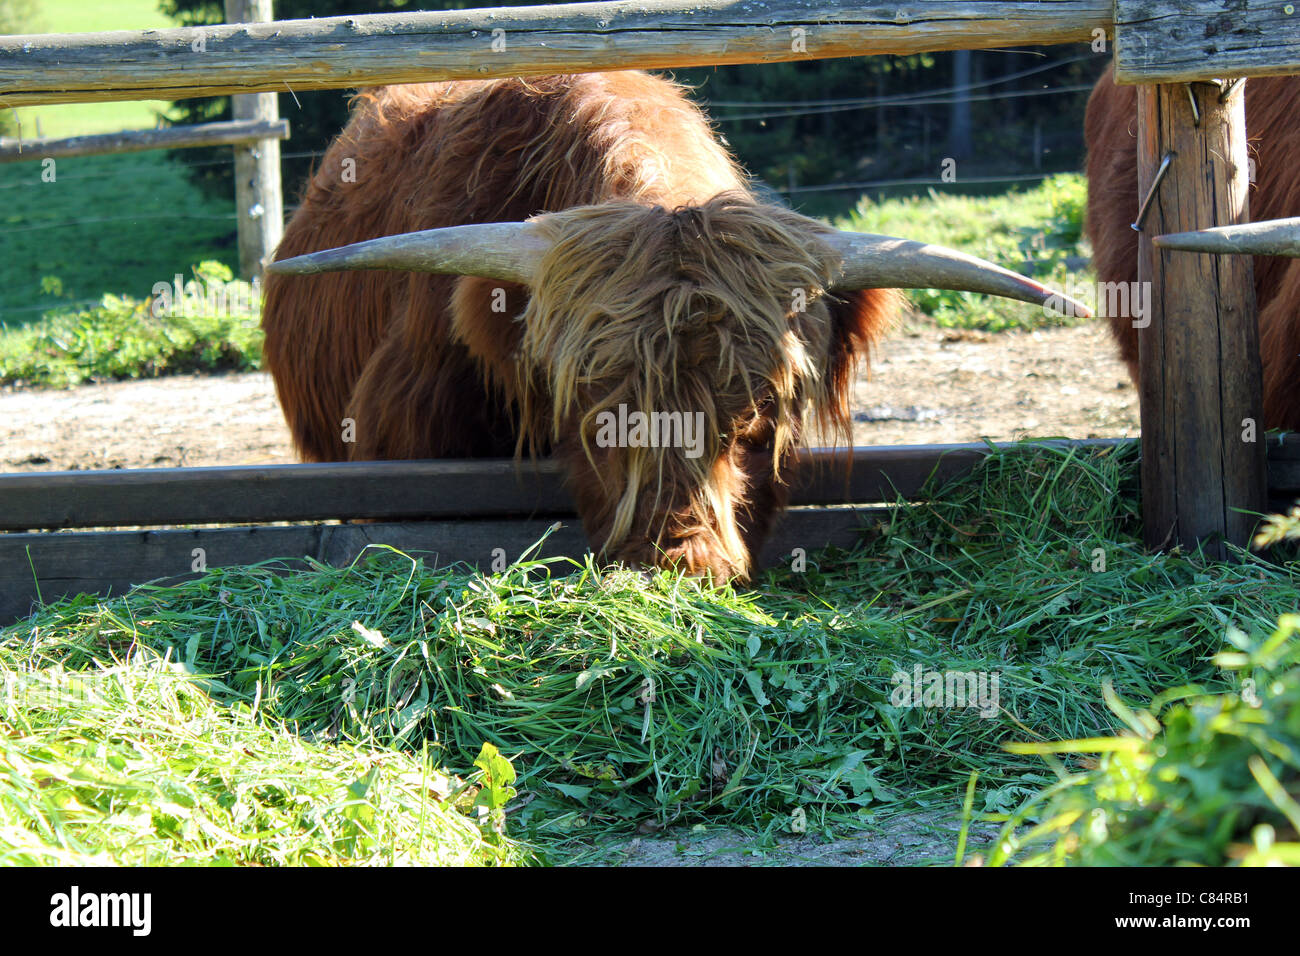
{"points": [[1273, 133], [387, 348]]}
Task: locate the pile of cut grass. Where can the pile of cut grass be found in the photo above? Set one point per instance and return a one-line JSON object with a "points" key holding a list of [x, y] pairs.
{"points": [[632, 702], [133, 762]]}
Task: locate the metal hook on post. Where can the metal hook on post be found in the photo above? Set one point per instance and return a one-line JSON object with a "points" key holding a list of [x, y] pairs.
{"points": [[1231, 88], [1196, 110], [1151, 193]]}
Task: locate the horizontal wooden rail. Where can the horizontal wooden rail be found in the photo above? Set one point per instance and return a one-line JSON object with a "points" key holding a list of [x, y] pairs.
{"points": [[14, 150], [471, 511], [1178, 41], [377, 49], [114, 561], [397, 490]]}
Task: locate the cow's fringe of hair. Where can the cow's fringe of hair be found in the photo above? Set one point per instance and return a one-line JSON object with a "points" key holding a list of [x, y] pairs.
{"points": [[731, 279]]}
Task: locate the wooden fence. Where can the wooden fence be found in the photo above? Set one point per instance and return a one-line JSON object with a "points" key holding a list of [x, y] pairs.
{"points": [[1163, 41], [260, 208], [447, 511], [255, 132], [1202, 478], [16, 150]]}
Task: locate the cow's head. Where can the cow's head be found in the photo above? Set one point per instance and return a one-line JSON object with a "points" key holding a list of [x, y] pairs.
{"points": [[674, 357]]}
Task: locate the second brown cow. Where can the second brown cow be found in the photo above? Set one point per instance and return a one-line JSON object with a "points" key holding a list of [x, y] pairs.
{"points": [[1273, 133]]}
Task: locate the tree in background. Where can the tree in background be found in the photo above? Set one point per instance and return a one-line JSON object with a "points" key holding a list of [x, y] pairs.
{"points": [[799, 126]]}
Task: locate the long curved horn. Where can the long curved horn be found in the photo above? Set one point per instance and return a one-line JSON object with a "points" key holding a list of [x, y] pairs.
{"points": [[884, 262], [1272, 237], [509, 251]]}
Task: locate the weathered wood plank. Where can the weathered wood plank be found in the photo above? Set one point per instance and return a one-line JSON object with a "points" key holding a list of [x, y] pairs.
{"points": [[99, 561], [1284, 478], [1284, 446], [1175, 41], [1203, 454], [259, 204], [349, 52], [391, 490], [112, 561], [1283, 452], [394, 490], [13, 150], [95, 562]]}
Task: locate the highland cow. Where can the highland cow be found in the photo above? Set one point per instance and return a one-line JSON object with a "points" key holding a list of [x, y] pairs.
{"points": [[1273, 134], [563, 250]]}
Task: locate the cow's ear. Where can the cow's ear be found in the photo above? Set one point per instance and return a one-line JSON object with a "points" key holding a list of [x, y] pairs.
{"points": [[858, 320], [483, 313]]}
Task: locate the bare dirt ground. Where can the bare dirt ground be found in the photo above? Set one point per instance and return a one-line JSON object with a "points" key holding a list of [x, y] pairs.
{"points": [[933, 386], [924, 838], [926, 386]]}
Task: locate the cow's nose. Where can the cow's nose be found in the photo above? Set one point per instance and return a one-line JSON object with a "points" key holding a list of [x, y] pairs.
{"points": [[699, 560]]}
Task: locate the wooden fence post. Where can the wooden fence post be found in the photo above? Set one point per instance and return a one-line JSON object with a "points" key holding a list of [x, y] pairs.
{"points": [[1203, 454], [258, 197]]}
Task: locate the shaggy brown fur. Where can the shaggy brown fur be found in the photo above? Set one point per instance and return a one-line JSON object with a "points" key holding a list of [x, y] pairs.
{"points": [[1273, 132], [668, 288]]}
